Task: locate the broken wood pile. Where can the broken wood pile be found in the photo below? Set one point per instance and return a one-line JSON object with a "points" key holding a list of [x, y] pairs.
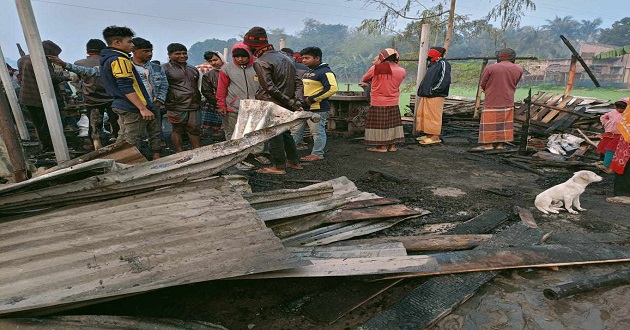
{"points": [[558, 113], [457, 106]]}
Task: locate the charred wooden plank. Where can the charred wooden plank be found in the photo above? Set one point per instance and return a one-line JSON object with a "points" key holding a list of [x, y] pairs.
{"points": [[439, 295], [374, 212], [620, 277], [481, 224], [428, 242]]}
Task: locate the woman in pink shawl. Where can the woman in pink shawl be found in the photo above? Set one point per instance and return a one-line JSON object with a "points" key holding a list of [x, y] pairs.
{"points": [[383, 126]]}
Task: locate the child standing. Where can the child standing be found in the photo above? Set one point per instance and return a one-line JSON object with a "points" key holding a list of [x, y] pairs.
{"points": [[610, 138]]}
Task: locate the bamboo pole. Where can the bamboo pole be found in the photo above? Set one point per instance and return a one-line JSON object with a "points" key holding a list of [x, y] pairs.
{"points": [[422, 68], [44, 82], [479, 89], [13, 100]]}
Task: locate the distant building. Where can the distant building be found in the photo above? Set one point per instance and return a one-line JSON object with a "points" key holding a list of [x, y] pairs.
{"points": [[614, 72]]}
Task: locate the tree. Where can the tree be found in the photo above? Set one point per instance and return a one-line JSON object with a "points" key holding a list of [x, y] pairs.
{"points": [[196, 51], [590, 29], [565, 26], [618, 34], [508, 12]]}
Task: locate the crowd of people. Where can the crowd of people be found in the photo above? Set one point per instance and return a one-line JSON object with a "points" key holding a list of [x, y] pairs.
{"points": [[119, 78]]}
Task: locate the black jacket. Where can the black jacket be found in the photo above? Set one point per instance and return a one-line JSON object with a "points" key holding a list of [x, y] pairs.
{"points": [[437, 80], [279, 82]]}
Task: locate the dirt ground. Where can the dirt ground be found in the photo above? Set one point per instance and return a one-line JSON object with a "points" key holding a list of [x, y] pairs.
{"points": [[448, 181]]}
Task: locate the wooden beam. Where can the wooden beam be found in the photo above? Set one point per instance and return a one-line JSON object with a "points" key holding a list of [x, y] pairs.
{"points": [[571, 80], [13, 100], [11, 140], [427, 242], [479, 89], [481, 224], [526, 217], [121, 152], [44, 81], [437, 296], [422, 69], [375, 212], [478, 260]]}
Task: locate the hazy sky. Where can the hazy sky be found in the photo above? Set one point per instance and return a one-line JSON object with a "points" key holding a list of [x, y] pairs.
{"points": [[70, 23]]}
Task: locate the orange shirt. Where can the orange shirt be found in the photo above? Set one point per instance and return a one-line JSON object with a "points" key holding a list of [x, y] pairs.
{"points": [[385, 87]]}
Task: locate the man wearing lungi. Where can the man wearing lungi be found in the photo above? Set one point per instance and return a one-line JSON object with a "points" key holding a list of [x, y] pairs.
{"points": [[432, 91], [499, 82]]}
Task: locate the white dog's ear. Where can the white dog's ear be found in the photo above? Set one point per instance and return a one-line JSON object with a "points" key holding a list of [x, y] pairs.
{"points": [[586, 176]]}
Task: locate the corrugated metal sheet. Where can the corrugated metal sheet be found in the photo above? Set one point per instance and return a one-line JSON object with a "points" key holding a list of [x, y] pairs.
{"points": [[177, 235], [184, 166], [100, 322]]}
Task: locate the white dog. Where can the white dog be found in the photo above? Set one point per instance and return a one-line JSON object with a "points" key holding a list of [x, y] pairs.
{"points": [[567, 193]]}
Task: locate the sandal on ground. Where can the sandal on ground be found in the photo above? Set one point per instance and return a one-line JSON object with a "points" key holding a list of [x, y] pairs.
{"points": [[263, 160], [392, 149], [429, 141], [271, 170], [294, 166], [311, 158], [480, 149], [624, 200], [376, 150], [422, 138]]}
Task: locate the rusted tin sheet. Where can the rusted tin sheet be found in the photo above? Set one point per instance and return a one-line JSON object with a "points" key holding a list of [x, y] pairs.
{"points": [[178, 235]]}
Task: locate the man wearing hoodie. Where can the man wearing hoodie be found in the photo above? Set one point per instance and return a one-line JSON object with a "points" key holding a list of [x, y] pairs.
{"points": [[319, 85], [29, 93], [209, 83], [132, 102], [279, 84], [236, 82]]}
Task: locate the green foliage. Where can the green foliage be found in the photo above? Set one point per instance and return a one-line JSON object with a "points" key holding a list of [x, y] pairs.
{"points": [[618, 34]]}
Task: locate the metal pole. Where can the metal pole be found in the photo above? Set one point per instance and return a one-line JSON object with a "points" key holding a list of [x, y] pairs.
{"points": [[9, 135], [13, 100], [422, 69], [44, 82]]}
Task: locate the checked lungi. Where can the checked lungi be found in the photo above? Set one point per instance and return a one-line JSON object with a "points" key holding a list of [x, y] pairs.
{"points": [[383, 126], [497, 125]]}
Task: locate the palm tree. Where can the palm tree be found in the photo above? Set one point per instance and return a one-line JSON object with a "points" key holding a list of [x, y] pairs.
{"points": [[590, 29], [566, 26]]}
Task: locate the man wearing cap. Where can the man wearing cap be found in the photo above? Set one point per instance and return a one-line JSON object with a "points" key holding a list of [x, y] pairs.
{"points": [[499, 82], [30, 96], [280, 84], [97, 101]]}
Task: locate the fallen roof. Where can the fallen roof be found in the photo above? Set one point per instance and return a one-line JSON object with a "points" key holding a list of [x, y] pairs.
{"points": [[168, 237]]}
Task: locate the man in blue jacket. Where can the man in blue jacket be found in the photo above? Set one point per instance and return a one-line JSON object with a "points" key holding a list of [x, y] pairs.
{"points": [[132, 102]]}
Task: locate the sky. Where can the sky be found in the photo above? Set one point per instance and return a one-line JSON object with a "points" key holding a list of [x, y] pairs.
{"points": [[71, 23]]}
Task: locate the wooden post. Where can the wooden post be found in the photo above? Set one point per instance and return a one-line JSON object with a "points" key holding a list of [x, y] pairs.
{"points": [[422, 69], [571, 80], [44, 82], [283, 43], [479, 90], [11, 140], [451, 27], [13, 100]]}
